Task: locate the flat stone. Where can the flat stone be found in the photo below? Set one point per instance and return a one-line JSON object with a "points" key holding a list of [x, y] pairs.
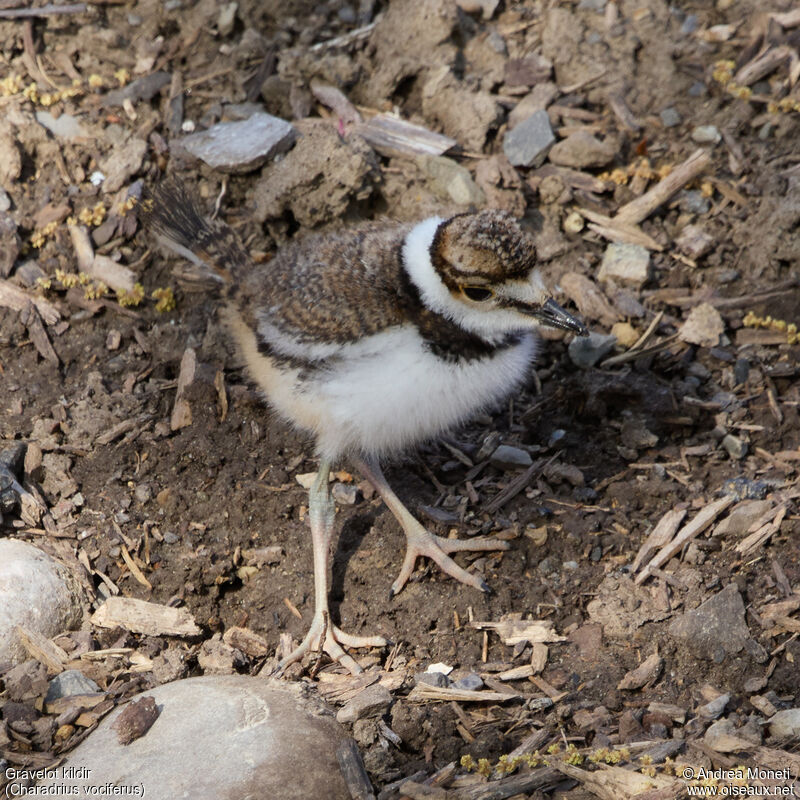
{"points": [[370, 702], [469, 683], [703, 326], [717, 623], [508, 457], [693, 201], [37, 593], [69, 683], [582, 150], [586, 351], [12, 244], [626, 264], [536, 100], [230, 736], [449, 179], [785, 724], [528, 143], [241, 146]]}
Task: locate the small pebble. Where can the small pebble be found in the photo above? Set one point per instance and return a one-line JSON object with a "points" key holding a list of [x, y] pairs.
{"points": [[627, 264], [741, 370], [170, 537], [437, 679], [706, 134], [556, 436], [670, 117], [697, 89], [528, 143], [735, 447], [692, 201], [469, 683], [507, 457], [586, 351], [5, 200], [690, 24], [345, 494]]}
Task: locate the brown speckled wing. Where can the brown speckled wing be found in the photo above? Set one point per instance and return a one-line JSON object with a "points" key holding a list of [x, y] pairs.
{"points": [[330, 288]]}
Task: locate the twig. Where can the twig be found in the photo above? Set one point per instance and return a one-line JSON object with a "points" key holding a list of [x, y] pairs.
{"points": [[632, 355], [698, 524], [43, 11], [641, 208]]}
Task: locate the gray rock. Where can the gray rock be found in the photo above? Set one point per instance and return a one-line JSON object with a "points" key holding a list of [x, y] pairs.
{"points": [[469, 683], [627, 264], [507, 457], [12, 244], [437, 679], [582, 150], [714, 708], [449, 179], [345, 494], [36, 592], [670, 117], [706, 134], [370, 702], [586, 351], [241, 146], [529, 142], [694, 241], [785, 724], [734, 446], [538, 99], [692, 201], [5, 200], [717, 623], [229, 736], [69, 683]]}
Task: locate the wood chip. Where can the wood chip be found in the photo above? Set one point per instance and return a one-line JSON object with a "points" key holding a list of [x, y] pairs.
{"points": [[43, 650], [139, 616], [514, 631], [392, 136], [424, 691], [659, 536], [13, 297], [611, 783], [181, 410], [645, 673], [698, 524]]}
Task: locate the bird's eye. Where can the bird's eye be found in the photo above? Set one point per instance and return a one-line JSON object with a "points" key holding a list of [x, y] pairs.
{"points": [[477, 293]]}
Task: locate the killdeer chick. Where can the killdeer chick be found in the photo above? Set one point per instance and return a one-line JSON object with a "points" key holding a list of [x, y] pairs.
{"points": [[373, 339]]}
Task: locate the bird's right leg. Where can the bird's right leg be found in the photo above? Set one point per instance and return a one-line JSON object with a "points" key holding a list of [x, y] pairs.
{"points": [[323, 634]]}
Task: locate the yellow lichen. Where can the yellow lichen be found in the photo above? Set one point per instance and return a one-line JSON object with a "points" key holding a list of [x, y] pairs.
{"points": [[132, 298], [165, 298]]}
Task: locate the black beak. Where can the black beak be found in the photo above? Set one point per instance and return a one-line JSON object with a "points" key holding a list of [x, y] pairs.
{"points": [[552, 315]]}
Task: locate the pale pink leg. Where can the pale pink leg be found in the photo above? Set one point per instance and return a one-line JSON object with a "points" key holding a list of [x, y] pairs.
{"points": [[321, 514], [419, 542]]}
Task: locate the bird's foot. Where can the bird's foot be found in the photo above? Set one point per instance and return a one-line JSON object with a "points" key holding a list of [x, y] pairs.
{"points": [[421, 542], [324, 637]]}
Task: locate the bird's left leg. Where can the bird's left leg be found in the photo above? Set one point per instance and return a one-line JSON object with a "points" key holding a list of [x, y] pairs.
{"points": [[323, 634], [419, 541]]}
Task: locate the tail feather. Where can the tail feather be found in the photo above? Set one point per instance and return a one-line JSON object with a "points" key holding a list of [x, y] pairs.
{"points": [[178, 222]]}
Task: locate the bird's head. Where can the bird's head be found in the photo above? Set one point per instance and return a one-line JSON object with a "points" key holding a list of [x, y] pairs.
{"points": [[481, 272]]}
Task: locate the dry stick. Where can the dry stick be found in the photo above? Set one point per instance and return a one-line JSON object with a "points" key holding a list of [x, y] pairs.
{"points": [[641, 208], [42, 11], [618, 231], [703, 519], [762, 65]]}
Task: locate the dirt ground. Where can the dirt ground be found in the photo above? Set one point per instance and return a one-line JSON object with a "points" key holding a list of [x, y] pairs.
{"points": [[618, 446]]}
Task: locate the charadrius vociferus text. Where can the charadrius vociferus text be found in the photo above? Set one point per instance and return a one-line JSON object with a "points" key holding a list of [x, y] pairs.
{"points": [[373, 339]]}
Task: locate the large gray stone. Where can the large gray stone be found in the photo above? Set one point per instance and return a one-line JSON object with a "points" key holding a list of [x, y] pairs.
{"points": [[528, 143], [37, 593], [241, 146], [232, 737]]}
